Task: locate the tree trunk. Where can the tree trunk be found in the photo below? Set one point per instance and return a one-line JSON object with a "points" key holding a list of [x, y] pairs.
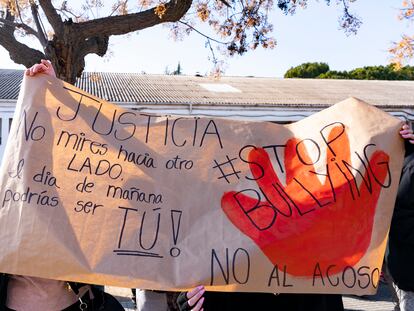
{"points": [[68, 52]]}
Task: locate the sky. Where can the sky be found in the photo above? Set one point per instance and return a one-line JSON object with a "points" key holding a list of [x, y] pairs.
{"points": [[311, 35]]}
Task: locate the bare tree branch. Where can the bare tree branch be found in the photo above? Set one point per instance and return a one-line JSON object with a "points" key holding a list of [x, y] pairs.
{"points": [[52, 16], [41, 34], [202, 34], [122, 24], [66, 13], [27, 29], [18, 10], [19, 52], [118, 6]]}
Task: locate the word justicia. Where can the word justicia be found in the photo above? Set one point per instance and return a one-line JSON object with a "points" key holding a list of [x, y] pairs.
{"points": [[125, 125]]}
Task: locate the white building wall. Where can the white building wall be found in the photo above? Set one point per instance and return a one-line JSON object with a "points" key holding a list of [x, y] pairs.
{"points": [[6, 116]]}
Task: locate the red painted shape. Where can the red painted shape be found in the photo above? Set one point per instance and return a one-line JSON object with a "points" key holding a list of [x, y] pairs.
{"points": [[329, 223]]}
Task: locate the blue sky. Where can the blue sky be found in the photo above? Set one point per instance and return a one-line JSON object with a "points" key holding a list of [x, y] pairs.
{"points": [[309, 35]]}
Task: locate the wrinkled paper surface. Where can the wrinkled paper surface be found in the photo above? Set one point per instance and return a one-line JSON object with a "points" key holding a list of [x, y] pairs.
{"points": [[95, 193]]}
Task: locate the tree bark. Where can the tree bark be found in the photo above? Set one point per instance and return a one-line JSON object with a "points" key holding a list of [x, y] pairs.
{"points": [[68, 52], [19, 52]]}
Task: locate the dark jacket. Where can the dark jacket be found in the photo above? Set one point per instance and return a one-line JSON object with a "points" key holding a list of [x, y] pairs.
{"points": [[401, 241], [217, 301], [259, 301], [4, 279]]}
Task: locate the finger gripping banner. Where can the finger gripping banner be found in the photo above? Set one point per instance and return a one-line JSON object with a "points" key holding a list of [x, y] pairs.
{"points": [[95, 193]]}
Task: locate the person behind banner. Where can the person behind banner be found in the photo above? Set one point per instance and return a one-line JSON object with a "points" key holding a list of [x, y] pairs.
{"points": [[400, 257], [25, 293], [400, 261], [198, 299]]}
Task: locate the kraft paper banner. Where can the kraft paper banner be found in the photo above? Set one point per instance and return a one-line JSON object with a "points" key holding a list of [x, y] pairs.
{"points": [[95, 193]]}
